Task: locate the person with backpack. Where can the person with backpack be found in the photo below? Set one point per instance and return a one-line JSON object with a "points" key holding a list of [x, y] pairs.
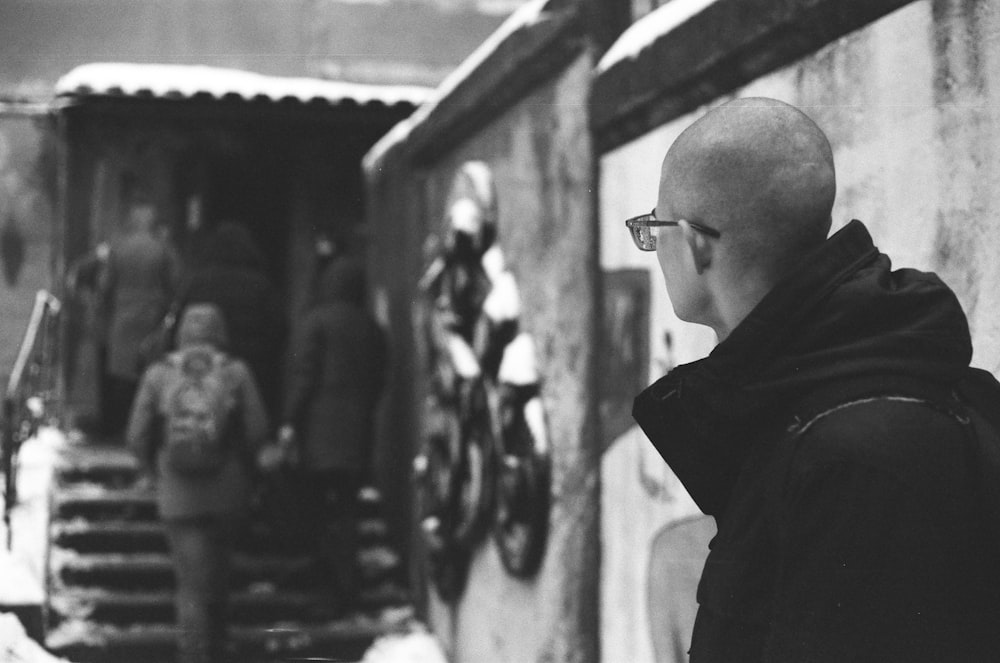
{"points": [[196, 427], [836, 433]]}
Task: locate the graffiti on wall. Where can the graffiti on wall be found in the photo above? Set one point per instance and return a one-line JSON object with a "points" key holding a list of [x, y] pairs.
{"points": [[484, 465], [624, 355]]}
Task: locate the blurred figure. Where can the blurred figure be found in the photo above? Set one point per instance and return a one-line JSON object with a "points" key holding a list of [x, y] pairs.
{"points": [[336, 368], [232, 276], [197, 423], [86, 352], [140, 281]]}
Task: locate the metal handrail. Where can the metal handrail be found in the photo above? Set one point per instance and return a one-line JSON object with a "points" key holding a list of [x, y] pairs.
{"points": [[30, 389]]}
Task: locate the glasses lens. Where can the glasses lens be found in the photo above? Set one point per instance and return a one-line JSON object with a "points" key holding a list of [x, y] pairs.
{"points": [[644, 237]]}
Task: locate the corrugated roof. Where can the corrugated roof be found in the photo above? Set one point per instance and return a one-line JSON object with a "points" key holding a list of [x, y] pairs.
{"points": [[168, 81]]}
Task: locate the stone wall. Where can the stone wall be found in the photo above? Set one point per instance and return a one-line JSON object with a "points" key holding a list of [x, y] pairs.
{"points": [[910, 105], [540, 155]]}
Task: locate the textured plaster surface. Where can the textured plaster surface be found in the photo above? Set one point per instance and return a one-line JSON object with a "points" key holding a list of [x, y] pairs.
{"points": [[539, 153], [26, 207], [639, 493], [910, 106]]}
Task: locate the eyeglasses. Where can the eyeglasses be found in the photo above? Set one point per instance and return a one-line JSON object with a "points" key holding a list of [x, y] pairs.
{"points": [[640, 227]]}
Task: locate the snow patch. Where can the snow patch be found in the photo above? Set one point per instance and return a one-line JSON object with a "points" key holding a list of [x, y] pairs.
{"points": [[526, 15], [418, 646], [186, 81], [17, 647], [649, 28], [23, 567]]}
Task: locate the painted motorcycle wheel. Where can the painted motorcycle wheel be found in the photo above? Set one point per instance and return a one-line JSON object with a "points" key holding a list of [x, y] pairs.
{"points": [[520, 528]]}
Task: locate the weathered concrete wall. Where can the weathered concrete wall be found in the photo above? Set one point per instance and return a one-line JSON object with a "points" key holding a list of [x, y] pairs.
{"points": [[911, 107], [27, 173], [640, 496], [540, 155]]}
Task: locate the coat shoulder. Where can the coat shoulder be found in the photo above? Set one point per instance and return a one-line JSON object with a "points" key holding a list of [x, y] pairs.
{"points": [[906, 437]]}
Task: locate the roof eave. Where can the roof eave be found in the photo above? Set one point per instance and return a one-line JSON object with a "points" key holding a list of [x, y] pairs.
{"points": [[728, 44], [525, 57]]}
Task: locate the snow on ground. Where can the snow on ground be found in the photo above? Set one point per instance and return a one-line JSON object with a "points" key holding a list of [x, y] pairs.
{"points": [[17, 647], [417, 646], [23, 567]]}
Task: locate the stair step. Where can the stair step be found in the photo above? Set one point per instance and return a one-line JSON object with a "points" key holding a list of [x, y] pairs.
{"points": [[111, 570], [123, 536], [261, 604], [110, 465], [246, 607], [345, 639], [96, 502], [373, 529], [114, 570], [112, 579]]}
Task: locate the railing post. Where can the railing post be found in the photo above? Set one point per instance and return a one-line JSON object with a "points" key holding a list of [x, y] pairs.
{"points": [[10, 480], [31, 379]]}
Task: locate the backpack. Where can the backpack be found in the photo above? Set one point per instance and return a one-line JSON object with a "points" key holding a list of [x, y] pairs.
{"points": [[980, 392], [199, 412], [973, 400]]}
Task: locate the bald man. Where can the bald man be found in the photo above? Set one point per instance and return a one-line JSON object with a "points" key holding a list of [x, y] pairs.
{"points": [[835, 431]]}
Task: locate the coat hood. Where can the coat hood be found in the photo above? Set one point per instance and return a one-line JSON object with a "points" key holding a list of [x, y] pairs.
{"points": [[343, 280], [202, 324], [842, 314]]}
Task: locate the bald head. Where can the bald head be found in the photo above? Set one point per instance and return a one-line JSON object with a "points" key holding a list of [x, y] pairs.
{"points": [[758, 170]]}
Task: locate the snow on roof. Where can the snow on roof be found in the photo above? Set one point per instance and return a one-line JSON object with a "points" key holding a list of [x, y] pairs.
{"points": [[525, 16], [649, 28], [169, 81]]}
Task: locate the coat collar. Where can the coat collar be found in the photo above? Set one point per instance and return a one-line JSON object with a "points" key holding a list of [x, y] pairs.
{"points": [[841, 313]]}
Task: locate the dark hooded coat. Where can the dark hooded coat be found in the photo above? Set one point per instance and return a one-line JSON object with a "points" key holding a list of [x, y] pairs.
{"points": [[336, 368], [139, 282], [825, 438], [186, 496], [232, 277]]}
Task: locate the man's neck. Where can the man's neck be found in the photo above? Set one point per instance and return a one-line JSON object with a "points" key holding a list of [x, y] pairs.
{"points": [[740, 300]]}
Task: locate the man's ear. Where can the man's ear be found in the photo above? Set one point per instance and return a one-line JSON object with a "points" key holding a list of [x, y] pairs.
{"points": [[699, 246]]}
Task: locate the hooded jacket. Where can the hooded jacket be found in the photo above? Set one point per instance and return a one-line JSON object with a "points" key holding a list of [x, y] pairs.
{"points": [[186, 496], [336, 370], [824, 437]]}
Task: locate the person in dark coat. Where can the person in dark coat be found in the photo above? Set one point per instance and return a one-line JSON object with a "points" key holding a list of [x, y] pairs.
{"points": [[140, 281], [336, 367], [231, 275], [826, 433], [85, 325], [201, 512]]}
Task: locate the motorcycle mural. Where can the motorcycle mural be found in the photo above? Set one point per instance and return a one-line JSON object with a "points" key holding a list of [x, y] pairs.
{"points": [[485, 461]]}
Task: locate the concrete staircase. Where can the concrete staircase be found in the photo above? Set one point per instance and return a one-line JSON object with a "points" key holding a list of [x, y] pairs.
{"points": [[111, 581]]}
